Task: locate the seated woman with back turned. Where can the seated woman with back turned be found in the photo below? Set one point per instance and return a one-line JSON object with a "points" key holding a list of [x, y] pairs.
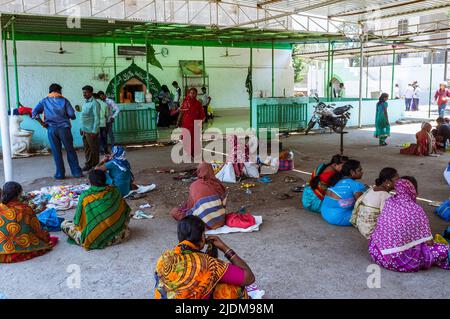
{"points": [[188, 273], [337, 206], [371, 203], [322, 177], [426, 143], [21, 235], [402, 240], [102, 216], [207, 199]]}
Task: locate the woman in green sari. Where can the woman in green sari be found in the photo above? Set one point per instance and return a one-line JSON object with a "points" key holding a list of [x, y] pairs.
{"points": [[382, 127]]}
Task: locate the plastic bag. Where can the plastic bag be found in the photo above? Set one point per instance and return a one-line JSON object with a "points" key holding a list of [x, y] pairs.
{"points": [[270, 166], [226, 174], [443, 211], [447, 174], [251, 170], [49, 220]]}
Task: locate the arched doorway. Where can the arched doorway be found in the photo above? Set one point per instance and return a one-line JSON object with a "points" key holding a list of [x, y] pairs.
{"points": [[132, 85]]}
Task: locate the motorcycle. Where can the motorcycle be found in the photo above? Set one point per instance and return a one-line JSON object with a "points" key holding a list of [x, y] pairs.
{"points": [[329, 116]]}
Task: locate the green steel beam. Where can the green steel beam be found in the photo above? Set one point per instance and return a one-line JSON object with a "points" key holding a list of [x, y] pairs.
{"points": [[393, 73], [16, 72], [273, 69], [250, 96], [431, 84], [332, 70], [116, 97], [204, 66], [5, 48]]}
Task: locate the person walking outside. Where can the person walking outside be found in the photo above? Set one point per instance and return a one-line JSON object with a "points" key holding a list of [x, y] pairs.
{"points": [[58, 112], [111, 114], [416, 97], [90, 125], [441, 97], [177, 96], [382, 126], [409, 94], [206, 100], [341, 92]]}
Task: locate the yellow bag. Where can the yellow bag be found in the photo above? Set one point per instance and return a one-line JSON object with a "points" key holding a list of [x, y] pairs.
{"points": [[440, 240]]}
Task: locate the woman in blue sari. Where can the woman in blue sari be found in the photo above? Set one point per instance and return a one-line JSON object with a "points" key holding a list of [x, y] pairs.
{"points": [[118, 170], [382, 127], [337, 206]]}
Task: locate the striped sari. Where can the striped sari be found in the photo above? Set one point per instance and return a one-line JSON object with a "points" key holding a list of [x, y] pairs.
{"points": [[101, 218]]}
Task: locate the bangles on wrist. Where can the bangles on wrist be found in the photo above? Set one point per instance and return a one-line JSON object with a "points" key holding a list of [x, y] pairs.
{"points": [[229, 254]]}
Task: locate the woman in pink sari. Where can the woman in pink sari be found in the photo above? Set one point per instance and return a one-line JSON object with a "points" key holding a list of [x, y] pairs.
{"points": [[402, 240], [207, 199]]}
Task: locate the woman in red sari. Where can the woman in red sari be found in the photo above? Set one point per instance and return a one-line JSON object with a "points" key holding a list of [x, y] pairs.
{"points": [[426, 143], [191, 111]]}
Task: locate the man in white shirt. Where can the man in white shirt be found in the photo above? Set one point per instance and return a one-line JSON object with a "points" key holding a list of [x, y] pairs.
{"points": [[206, 100], [111, 113], [409, 93], [416, 97]]}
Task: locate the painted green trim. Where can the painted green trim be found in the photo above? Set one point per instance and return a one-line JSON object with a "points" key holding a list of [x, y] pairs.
{"points": [[251, 97], [5, 48], [204, 66], [431, 83], [332, 70], [126, 40], [273, 69], [116, 92], [393, 73], [16, 72]]}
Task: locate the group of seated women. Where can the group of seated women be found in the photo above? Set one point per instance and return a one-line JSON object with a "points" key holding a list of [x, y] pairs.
{"points": [[397, 228]]}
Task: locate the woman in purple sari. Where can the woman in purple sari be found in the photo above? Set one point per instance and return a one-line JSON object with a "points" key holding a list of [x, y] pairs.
{"points": [[402, 240]]}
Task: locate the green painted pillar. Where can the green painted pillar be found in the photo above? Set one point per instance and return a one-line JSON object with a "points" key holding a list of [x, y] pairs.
{"points": [[5, 49], [431, 84], [250, 96], [328, 69], [116, 92], [16, 73], [367, 77], [393, 73], [204, 65], [331, 70], [325, 78], [147, 78], [273, 68]]}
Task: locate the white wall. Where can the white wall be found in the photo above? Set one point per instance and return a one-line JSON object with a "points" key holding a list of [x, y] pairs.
{"points": [[39, 68]]}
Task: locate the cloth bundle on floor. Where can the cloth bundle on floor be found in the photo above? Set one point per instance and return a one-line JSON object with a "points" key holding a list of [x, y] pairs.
{"points": [[238, 220]]}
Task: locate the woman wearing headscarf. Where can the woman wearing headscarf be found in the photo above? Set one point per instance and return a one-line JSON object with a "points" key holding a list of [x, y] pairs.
{"points": [[324, 175], [426, 143], [207, 199], [101, 218], [186, 272], [192, 115], [21, 235], [118, 170], [165, 101], [402, 240], [382, 126]]}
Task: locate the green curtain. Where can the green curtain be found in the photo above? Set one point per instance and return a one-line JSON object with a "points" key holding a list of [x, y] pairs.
{"points": [[151, 58]]}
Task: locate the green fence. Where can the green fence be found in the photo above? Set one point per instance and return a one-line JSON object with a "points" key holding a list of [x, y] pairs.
{"points": [[285, 117], [136, 126]]}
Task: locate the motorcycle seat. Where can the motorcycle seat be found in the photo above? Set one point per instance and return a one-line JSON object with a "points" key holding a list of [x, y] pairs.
{"points": [[341, 110]]}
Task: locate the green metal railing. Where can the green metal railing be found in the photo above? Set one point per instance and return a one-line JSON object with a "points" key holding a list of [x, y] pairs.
{"points": [[285, 117], [136, 126]]}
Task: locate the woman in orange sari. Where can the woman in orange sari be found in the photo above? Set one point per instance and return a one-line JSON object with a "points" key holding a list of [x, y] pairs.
{"points": [[192, 111], [21, 235], [426, 143], [186, 272]]}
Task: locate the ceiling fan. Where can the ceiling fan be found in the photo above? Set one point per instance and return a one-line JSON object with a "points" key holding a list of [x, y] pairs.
{"points": [[227, 54], [61, 50]]}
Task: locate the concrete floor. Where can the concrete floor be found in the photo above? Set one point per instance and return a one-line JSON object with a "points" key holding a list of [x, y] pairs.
{"points": [[295, 254]]}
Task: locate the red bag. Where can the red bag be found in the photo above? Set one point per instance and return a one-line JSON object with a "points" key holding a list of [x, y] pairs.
{"points": [[239, 220]]}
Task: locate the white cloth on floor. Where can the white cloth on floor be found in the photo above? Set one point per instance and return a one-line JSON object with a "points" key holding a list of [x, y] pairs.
{"points": [[228, 230], [254, 292]]}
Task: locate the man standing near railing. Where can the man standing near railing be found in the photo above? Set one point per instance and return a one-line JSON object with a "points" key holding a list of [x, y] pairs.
{"points": [[90, 125], [112, 112]]}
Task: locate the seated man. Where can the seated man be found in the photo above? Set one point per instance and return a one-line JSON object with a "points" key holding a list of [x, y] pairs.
{"points": [[102, 216], [442, 132]]}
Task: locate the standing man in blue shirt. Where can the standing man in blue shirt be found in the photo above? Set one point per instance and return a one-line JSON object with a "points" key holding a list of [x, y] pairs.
{"points": [[90, 127], [57, 115]]}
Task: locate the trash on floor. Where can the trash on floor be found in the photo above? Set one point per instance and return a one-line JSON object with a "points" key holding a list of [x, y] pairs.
{"points": [[147, 205], [139, 214]]}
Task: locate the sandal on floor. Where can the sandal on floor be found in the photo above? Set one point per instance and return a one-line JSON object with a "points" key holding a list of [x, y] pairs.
{"points": [[298, 189]]}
